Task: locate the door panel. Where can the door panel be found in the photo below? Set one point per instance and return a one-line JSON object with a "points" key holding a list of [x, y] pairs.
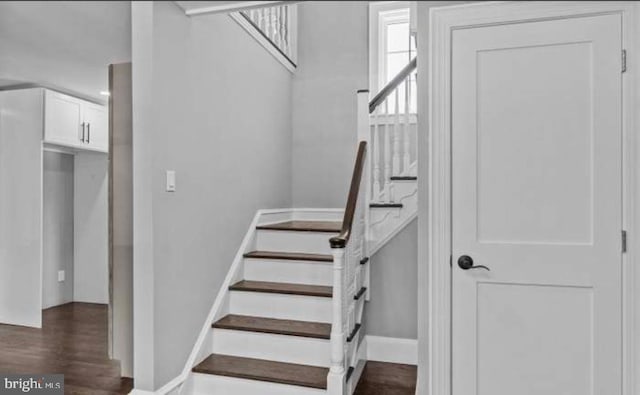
{"points": [[536, 197]]}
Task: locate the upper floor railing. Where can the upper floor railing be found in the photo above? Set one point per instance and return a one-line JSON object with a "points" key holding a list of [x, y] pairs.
{"points": [[278, 25], [393, 133]]}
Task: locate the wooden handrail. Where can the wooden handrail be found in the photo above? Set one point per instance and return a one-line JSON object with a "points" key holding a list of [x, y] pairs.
{"points": [[392, 85], [342, 239]]}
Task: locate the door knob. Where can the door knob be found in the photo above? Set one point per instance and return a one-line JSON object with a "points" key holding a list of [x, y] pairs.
{"points": [[465, 262]]}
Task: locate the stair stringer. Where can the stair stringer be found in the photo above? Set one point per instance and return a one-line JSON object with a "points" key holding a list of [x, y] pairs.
{"points": [[386, 223]]}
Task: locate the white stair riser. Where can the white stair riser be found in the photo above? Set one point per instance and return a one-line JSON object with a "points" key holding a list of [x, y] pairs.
{"points": [[207, 384], [307, 242], [284, 271], [272, 347], [288, 307]]}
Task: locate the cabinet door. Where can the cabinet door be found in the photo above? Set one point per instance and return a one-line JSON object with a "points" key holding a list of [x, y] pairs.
{"points": [[97, 127], [63, 119]]}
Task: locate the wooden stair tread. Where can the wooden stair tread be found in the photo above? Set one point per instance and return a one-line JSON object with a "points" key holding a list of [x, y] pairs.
{"points": [[293, 256], [385, 205], [316, 330], [282, 288], [263, 370], [305, 226], [404, 178]]}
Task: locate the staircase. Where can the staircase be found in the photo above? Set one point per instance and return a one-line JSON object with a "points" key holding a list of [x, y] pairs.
{"points": [[275, 338], [287, 320], [271, 331]]}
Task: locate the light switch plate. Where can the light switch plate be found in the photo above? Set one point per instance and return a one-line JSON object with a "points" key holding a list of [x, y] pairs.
{"points": [[60, 276], [171, 181]]}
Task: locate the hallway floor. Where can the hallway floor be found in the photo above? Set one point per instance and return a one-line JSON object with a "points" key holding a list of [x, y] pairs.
{"points": [[381, 378], [73, 342]]}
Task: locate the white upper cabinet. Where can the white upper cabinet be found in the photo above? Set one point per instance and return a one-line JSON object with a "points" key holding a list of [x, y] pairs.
{"points": [[96, 126], [75, 123]]}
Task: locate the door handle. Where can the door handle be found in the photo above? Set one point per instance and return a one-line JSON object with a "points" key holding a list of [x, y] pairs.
{"points": [[83, 125], [88, 133], [465, 262]]}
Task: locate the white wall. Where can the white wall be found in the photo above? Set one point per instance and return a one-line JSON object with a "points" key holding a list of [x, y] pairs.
{"points": [[392, 310], [333, 63], [21, 207], [91, 232], [210, 103], [63, 44], [57, 235]]}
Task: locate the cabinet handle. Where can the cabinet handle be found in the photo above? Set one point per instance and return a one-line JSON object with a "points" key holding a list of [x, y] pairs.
{"points": [[82, 139], [88, 133]]}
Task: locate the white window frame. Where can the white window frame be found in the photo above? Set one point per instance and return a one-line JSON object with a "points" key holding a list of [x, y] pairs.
{"points": [[381, 14]]}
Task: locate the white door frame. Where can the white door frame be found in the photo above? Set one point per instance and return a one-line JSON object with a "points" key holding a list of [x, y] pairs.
{"points": [[437, 328]]}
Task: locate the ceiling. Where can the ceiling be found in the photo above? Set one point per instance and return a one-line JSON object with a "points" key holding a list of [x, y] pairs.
{"points": [[66, 45]]}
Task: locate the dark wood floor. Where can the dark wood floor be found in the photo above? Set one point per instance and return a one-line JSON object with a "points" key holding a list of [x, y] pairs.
{"points": [[73, 342], [381, 378]]}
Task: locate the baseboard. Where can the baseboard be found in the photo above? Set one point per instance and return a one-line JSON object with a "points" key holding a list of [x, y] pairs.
{"points": [[392, 350], [141, 392]]}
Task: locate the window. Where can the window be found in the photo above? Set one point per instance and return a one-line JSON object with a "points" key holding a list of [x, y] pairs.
{"points": [[392, 47]]}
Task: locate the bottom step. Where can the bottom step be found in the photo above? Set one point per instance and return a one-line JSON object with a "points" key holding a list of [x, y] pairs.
{"points": [[263, 370]]}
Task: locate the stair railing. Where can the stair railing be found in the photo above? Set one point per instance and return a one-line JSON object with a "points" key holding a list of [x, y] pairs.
{"points": [[348, 249], [278, 24], [392, 131]]}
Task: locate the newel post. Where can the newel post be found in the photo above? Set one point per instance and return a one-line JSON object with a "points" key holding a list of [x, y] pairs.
{"points": [[364, 134], [336, 379]]}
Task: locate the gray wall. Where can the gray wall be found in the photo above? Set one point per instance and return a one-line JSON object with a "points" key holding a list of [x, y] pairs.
{"points": [[57, 232], [333, 63], [210, 103], [392, 311], [91, 228], [121, 192]]}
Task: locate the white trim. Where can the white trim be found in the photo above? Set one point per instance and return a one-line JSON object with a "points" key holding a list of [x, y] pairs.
{"points": [[377, 42], [141, 392], [390, 119], [392, 350], [262, 40], [443, 21], [222, 8]]}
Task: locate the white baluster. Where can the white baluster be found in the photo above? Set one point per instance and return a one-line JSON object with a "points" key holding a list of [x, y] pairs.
{"points": [[396, 135], [335, 379], [407, 130], [387, 154], [375, 149], [262, 22], [276, 26], [283, 23], [415, 131]]}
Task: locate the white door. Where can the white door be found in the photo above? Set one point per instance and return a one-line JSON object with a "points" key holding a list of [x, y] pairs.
{"points": [[536, 197], [97, 127], [63, 119]]}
